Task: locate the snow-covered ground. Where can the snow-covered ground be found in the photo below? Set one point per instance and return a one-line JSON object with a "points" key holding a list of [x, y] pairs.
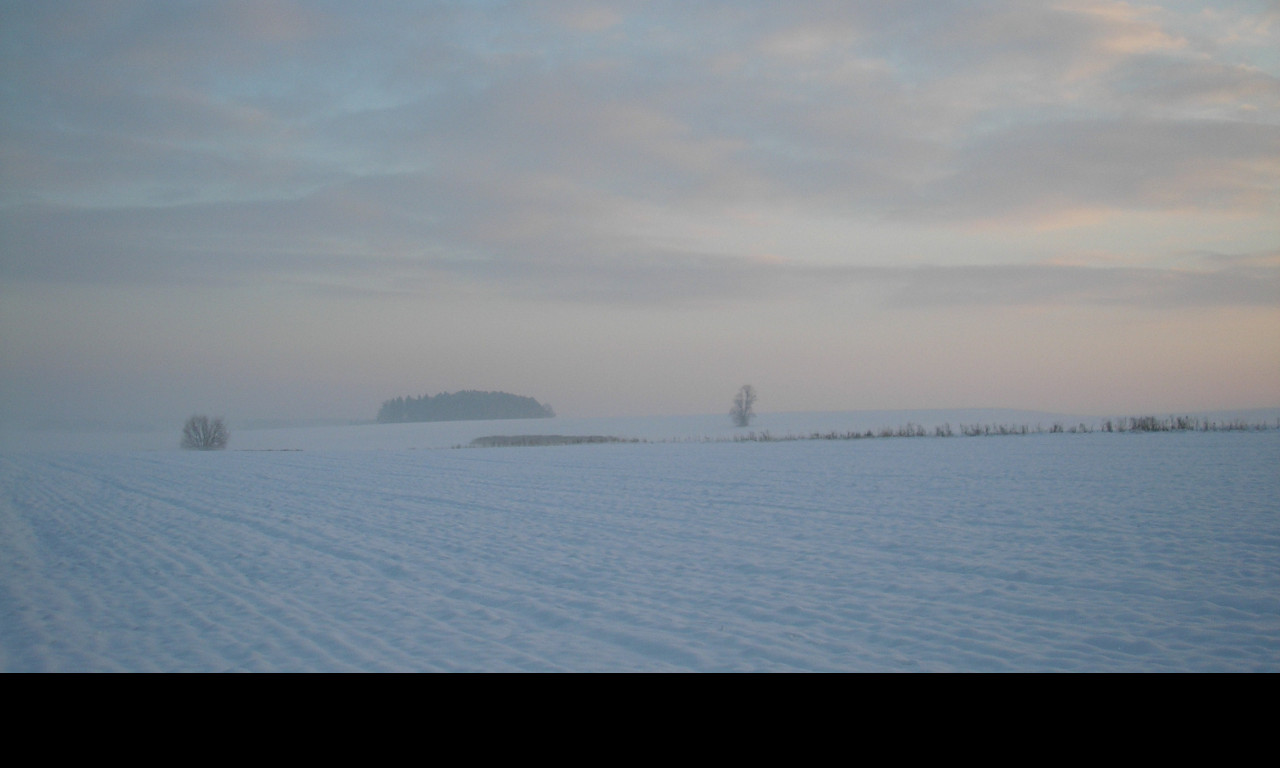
{"points": [[377, 547]]}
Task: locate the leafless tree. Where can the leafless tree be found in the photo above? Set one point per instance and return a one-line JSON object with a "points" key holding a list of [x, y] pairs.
{"points": [[743, 403], [201, 433]]}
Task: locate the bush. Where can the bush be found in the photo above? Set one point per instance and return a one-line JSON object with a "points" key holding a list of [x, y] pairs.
{"points": [[201, 433]]}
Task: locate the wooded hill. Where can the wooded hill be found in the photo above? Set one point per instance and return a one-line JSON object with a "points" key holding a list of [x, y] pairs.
{"points": [[467, 405]]}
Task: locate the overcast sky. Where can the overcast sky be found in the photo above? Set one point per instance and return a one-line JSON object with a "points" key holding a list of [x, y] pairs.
{"points": [[300, 209]]}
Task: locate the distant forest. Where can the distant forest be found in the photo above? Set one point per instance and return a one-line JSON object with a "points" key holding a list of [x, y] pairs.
{"points": [[468, 405]]}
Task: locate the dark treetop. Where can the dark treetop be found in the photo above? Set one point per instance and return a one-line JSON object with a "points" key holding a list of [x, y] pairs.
{"points": [[468, 405]]}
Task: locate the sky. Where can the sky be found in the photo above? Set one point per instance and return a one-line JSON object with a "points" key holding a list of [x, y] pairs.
{"points": [[266, 209]]}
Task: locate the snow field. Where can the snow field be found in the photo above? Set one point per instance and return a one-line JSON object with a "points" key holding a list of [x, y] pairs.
{"points": [[1095, 552]]}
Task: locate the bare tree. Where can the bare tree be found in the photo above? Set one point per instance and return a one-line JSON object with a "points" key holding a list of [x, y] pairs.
{"points": [[743, 403], [201, 433]]}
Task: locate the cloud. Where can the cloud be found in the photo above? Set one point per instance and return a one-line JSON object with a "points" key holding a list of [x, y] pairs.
{"points": [[861, 108], [645, 156], [1041, 285], [1035, 170], [359, 242]]}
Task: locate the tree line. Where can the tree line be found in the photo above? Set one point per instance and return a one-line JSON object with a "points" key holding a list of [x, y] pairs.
{"points": [[467, 405]]}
